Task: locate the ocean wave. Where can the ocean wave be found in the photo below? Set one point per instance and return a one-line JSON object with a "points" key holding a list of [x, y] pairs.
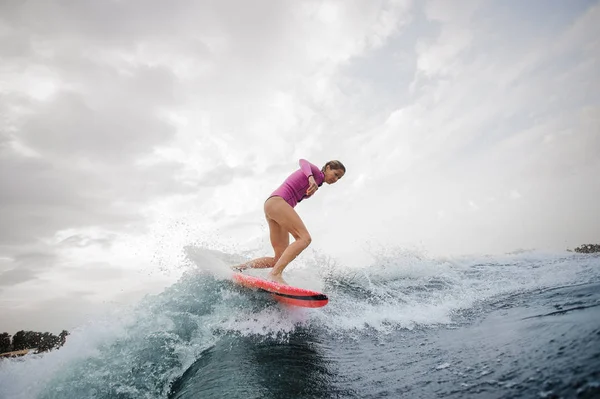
{"points": [[140, 351]]}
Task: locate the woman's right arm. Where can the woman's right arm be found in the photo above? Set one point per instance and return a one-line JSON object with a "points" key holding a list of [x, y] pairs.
{"points": [[306, 168]]}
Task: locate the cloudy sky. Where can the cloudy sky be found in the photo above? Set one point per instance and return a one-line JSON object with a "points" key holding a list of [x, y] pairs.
{"points": [[129, 129]]}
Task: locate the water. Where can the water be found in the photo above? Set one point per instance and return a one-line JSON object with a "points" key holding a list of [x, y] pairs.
{"points": [[523, 325]]}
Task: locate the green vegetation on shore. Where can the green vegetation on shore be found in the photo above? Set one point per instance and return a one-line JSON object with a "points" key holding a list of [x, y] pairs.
{"points": [[588, 248], [23, 340]]}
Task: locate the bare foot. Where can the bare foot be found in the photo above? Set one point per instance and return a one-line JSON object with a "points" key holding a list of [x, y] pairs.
{"points": [[277, 278], [240, 268]]}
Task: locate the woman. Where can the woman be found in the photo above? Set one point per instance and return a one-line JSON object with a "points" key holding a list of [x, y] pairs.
{"points": [[283, 219]]}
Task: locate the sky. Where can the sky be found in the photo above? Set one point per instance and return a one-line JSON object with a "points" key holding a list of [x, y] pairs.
{"points": [[132, 129]]}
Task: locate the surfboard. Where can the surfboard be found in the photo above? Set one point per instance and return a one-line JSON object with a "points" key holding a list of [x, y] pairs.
{"points": [[287, 294]]}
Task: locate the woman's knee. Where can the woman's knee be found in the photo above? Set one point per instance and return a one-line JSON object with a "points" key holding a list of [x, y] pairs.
{"points": [[305, 240]]}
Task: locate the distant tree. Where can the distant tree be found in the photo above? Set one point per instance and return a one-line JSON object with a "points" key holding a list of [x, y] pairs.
{"points": [[48, 342], [36, 339], [32, 339], [588, 248], [18, 341], [5, 345], [62, 338], [26, 340]]}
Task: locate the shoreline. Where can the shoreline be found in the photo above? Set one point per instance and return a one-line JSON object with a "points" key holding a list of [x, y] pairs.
{"points": [[18, 353]]}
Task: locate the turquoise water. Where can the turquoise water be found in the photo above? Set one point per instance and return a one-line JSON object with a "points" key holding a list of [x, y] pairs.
{"points": [[523, 325]]}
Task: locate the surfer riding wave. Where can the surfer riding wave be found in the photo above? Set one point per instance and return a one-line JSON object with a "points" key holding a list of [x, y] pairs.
{"points": [[283, 219]]}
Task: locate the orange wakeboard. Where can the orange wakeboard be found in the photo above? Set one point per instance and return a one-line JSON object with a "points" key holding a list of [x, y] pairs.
{"points": [[283, 293]]}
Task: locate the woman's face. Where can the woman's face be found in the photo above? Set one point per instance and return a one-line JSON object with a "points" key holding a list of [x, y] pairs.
{"points": [[333, 175]]}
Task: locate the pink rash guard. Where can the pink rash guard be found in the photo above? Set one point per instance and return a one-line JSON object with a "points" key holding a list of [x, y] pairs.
{"points": [[293, 189]]}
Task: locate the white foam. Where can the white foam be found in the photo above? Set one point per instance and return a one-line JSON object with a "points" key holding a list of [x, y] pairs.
{"points": [[211, 261], [405, 291], [442, 366], [394, 292]]}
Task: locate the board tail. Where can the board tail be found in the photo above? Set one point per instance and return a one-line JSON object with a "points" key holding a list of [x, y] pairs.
{"points": [[313, 301]]}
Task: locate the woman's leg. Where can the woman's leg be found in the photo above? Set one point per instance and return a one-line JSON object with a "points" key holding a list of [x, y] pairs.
{"points": [[280, 239], [288, 221]]}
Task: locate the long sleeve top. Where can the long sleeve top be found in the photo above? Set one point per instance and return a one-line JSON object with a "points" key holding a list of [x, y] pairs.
{"points": [[293, 189]]}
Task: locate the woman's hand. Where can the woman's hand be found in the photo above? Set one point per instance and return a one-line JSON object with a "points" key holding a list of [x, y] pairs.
{"points": [[312, 186]]}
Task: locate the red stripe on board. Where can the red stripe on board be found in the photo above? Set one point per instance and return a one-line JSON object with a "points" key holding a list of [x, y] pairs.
{"points": [[287, 294]]}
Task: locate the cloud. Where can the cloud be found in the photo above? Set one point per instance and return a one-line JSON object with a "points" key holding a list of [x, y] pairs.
{"points": [[482, 130], [25, 267], [16, 276], [440, 57], [67, 126]]}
